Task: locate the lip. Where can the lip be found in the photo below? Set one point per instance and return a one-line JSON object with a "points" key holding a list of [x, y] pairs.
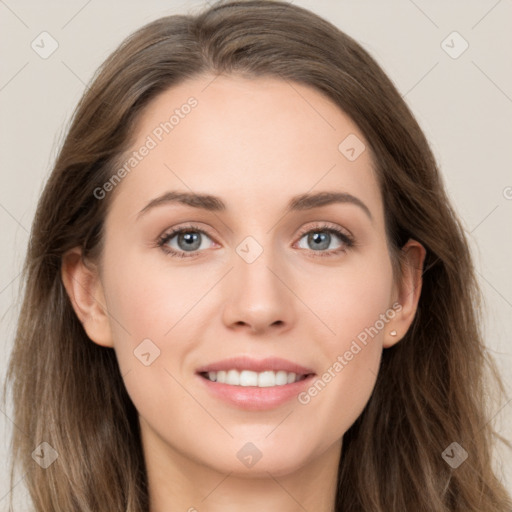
{"points": [[256, 365], [253, 398]]}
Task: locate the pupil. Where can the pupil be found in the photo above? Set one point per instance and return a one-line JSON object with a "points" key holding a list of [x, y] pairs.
{"points": [[319, 239], [190, 239]]}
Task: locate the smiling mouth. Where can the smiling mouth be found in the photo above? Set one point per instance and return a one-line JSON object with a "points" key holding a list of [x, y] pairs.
{"points": [[246, 378]]}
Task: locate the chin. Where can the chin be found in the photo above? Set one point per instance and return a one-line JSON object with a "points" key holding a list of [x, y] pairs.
{"points": [[249, 461]]}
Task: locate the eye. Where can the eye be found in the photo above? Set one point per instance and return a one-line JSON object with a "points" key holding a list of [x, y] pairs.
{"points": [[188, 241], [320, 238], [180, 241]]}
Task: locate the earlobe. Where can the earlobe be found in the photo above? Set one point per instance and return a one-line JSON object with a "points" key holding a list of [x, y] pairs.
{"points": [[408, 292], [83, 286]]}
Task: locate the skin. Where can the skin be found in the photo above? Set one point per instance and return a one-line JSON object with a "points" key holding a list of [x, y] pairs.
{"points": [[255, 143]]}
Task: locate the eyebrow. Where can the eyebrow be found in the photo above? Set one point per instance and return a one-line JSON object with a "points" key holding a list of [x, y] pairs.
{"points": [[215, 204]]}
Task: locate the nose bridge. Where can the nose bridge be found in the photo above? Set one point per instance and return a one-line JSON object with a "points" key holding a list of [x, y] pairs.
{"points": [[253, 264], [257, 295]]}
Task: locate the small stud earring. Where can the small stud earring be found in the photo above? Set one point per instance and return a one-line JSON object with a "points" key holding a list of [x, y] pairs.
{"points": [[393, 333]]}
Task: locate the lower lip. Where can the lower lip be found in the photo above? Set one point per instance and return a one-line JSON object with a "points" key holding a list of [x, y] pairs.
{"points": [[254, 398]]}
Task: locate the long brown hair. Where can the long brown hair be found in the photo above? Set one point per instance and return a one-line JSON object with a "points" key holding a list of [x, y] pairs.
{"points": [[432, 387]]}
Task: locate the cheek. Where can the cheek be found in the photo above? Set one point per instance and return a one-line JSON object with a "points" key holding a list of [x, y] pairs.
{"points": [[358, 319], [157, 313], [351, 300], [150, 309], [148, 300]]}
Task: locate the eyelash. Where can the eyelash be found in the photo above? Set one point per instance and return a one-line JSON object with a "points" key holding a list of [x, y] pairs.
{"points": [[347, 240]]}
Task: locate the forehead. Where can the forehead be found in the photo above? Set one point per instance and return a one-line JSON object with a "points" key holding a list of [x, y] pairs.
{"points": [[248, 138]]}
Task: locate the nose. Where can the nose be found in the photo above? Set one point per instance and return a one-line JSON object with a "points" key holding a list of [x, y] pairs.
{"points": [[259, 295]]}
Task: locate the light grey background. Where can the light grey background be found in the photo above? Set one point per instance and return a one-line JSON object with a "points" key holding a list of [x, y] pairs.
{"points": [[463, 104]]}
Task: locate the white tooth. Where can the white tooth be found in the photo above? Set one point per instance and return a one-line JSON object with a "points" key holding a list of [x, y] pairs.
{"points": [[248, 378], [281, 378], [266, 379], [233, 377]]}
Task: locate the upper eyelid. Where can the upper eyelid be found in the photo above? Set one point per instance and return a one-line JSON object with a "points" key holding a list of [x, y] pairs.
{"points": [[179, 229], [325, 225]]}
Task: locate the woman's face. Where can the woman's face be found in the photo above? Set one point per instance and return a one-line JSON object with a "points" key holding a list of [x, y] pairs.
{"points": [[260, 286]]}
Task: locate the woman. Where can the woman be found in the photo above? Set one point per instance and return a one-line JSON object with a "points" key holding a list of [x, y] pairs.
{"points": [[246, 288]]}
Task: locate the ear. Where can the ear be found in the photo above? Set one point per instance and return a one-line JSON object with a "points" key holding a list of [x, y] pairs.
{"points": [[82, 282], [407, 292]]}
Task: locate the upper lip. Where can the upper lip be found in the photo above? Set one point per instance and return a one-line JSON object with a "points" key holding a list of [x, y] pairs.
{"points": [[256, 365]]}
